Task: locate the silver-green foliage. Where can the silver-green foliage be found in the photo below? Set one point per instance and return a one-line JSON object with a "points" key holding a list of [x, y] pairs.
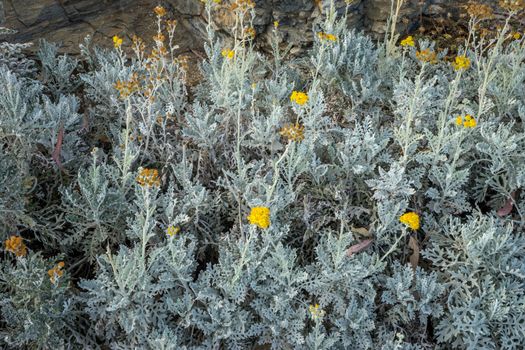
{"points": [[175, 264]]}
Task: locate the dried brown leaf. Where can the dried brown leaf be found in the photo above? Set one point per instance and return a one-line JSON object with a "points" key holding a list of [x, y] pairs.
{"points": [[356, 248], [362, 231], [414, 257], [507, 207], [58, 147]]}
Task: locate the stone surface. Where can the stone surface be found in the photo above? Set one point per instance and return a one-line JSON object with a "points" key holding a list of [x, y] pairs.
{"points": [[69, 21]]}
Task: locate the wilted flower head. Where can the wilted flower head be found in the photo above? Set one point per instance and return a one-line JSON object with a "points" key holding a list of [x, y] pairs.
{"points": [[148, 177], [427, 56], [159, 38], [315, 312], [325, 36], [250, 32], [126, 88], [15, 245], [172, 230], [242, 5], [480, 11], [512, 5], [160, 11], [293, 132], [56, 272], [260, 216]]}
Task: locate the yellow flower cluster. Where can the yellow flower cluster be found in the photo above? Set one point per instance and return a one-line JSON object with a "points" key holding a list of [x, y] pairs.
{"points": [[227, 53], [56, 272], [148, 177], [315, 312], [468, 121], [516, 36], [410, 219], [427, 56], [117, 41], [299, 97], [325, 36], [172, 230], [260, 216], [408, 41], [293, 132], [15, 245], [276, 24], [160, 11], [461, 62]]}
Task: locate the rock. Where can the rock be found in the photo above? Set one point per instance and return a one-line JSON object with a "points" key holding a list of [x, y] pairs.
{"points": [[69, 21], [187, 7]]}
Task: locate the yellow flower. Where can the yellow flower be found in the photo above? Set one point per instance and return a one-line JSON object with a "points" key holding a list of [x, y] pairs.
{"points": [[426, 56], [469, 121], [117, 42], [299, 97], [462, 62], [517, 36], [325, 36], [315, 312], [16, 245], [410, 219], [260, 216], [56, 272], [408, 41], [160, 11], [293, 132], [172, 230], [148, 177], [276, 24], [228, 53]]}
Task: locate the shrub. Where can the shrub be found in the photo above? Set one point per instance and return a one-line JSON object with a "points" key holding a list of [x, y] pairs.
{"points": [[367, 197]]}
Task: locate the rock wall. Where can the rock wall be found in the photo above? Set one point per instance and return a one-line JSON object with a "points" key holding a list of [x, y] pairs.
{"points": [[69, 21]]}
